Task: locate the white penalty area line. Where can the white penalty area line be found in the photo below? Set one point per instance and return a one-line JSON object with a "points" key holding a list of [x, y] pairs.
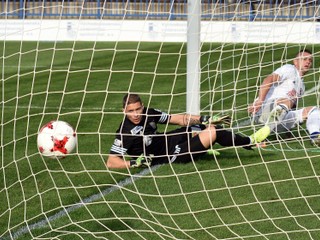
{"points": [[45, 222]]}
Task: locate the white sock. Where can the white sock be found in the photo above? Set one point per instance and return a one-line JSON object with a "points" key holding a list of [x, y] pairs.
{"points": [[313, 121]]}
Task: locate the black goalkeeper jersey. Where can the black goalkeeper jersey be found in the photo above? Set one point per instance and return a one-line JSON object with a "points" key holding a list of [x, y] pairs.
{"points": [[136, 139], [180, 145]]}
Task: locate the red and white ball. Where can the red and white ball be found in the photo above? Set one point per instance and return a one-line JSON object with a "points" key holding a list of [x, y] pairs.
{"points": [[56, 139]]}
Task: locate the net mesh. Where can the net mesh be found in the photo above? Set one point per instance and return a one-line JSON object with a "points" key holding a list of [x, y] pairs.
{"points": [[80, 77]]}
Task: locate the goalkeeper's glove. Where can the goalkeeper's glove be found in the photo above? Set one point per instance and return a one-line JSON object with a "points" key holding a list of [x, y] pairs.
{"points": [[141, 161], [215, 119]]}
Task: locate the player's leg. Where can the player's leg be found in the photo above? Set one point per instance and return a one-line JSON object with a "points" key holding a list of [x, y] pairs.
{"points": [[216, 134], [188, 150], [201, 139], [289, 121], [198, 144], [263, 115], [312, 117], [278, 113], [208, 136], [273, 112], [228, 138], [312, 114]]}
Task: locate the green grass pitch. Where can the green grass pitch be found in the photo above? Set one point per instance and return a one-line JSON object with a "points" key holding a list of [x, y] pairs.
{"points": [[272, 193]]}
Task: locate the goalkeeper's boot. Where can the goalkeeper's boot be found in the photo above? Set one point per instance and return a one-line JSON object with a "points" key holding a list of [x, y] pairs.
{"points": [[315, 139], [260, 135], [213, 152]]}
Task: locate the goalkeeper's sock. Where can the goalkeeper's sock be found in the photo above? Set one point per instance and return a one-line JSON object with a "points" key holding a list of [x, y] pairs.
{"points": [[228, 138]]}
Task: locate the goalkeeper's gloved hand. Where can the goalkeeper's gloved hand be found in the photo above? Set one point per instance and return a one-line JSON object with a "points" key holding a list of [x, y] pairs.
{"points": [[141, 161], [215, 119]]}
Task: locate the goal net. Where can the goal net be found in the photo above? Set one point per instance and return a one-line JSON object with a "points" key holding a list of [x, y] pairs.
{"points": [[74, 61]]}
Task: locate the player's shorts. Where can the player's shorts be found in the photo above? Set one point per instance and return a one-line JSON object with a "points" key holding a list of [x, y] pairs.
{"points": [[289, 121], [183, 145]]}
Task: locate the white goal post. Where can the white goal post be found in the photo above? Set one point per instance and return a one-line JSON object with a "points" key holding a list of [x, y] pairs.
{"points": [[193, 57], [200, 57]]}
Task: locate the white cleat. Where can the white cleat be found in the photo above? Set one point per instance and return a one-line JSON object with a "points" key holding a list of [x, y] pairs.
{"points": [[278, 113]]}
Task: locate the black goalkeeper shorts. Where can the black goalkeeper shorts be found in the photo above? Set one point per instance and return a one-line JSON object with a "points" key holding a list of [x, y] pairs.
{"points": [[181, 146]]}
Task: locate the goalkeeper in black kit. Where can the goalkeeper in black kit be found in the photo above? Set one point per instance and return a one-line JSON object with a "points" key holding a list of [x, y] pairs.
{"points": [[138, 143]]}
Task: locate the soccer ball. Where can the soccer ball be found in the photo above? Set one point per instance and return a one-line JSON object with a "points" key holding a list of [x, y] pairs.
{"points": [[56, 139]]}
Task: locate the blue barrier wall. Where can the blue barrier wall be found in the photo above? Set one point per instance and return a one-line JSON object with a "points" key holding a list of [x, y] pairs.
{"points": [[239, 10]]}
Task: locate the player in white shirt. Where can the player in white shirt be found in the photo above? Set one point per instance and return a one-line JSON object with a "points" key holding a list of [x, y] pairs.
{"points": [[277, 104]]}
